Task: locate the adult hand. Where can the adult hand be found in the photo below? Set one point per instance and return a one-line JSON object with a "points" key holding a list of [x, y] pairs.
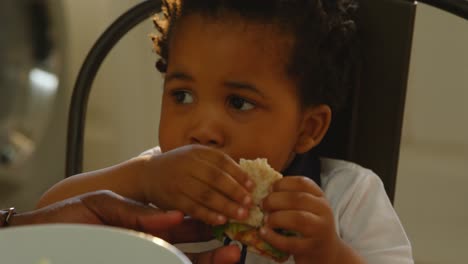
{"points": [[103, 208], [223, 255], [191, 230], [108, 208]]}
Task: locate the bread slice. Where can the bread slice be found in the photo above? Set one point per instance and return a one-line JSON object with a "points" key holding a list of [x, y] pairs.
{"points": [[263, 176], [247, 231]]}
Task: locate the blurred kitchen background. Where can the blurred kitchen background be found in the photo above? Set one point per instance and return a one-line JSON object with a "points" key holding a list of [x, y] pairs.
{"points": [[123, 114]]}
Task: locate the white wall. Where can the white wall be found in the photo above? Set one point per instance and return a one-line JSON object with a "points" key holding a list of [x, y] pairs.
{"points": [[431, 196], [123, 110]]}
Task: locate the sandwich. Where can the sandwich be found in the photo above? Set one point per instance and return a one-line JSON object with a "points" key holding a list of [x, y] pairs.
{"points": [[247, 231]]}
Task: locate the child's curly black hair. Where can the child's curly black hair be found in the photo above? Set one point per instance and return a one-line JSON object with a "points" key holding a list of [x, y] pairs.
{"points": [[323, 58]]}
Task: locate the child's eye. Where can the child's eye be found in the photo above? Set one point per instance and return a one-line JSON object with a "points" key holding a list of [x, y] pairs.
{"points": [[182, 97], [240, 103]]}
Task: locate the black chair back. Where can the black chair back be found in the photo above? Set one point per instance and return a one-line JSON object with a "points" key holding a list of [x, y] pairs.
{"points": [[368, 131]]}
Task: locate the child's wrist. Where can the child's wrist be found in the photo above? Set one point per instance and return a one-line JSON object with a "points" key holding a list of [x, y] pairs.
{"points": [[143, 171], [347, 254]]}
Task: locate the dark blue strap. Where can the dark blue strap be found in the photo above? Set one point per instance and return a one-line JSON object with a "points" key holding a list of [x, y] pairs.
{"points": [[307, 164], [243, 256], [227, 241]]}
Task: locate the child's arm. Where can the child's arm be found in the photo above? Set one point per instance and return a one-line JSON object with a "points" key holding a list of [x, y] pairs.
{"points": [[122, 179], [200, 181]]}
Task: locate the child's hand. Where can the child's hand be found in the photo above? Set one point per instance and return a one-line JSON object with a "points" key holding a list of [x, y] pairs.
{"points": [[200, 181], [297, 204]]}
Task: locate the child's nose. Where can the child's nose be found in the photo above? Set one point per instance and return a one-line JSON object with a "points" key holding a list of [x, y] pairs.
{"points": [[211, 143], [208, 134]]}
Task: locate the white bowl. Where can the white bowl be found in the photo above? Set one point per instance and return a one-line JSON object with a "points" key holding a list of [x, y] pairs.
{"points": [[83, 244]]}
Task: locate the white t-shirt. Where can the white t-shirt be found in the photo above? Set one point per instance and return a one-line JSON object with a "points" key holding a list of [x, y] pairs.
{"points": [[364, 217]]}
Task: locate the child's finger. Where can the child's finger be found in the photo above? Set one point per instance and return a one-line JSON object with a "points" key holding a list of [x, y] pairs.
{"points": [[200, 212], [233, 169], [305, 223], [228, 165], [302, 201], [214, 200], [223, 182], [297, 184], [287, 244]]}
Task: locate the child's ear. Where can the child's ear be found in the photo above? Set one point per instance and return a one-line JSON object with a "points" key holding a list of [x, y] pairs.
{"points": [[315, 123]]}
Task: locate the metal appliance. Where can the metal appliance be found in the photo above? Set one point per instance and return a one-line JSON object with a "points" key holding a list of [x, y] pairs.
{"points": [[31, 59]]}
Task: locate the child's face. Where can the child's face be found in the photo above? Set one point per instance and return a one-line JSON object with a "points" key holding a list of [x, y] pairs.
{"points": [[226, 87]]}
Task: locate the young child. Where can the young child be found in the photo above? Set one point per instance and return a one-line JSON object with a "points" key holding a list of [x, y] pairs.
{"points": [[249, 79]]}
